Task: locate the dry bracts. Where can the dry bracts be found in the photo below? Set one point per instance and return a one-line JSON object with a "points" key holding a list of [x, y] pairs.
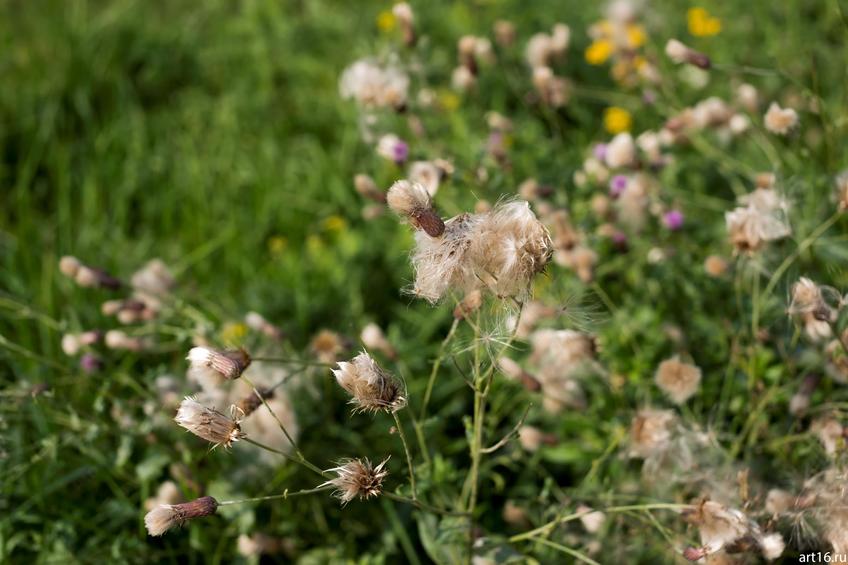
{"points": [[166, 516], [208, 423], [227, 364], [411, 201], [371, 388], [357, 478]]}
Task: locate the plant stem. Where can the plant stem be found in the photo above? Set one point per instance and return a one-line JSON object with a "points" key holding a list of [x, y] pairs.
{"points": [[286, 494], [436, 364], [572, 552], [421, 505], [797, 253], [287, 361], [408, 455], [299, 460], [300, 457], [546, 528]]}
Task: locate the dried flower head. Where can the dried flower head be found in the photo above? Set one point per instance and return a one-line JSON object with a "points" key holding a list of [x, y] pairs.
{"points": [[442, 263], [210, 365], [375, 86], [154, 278], [715, 266], [166, 516], [357, 478], [809, 298], [718, 525], [208, 423], [371, 388], [366, 186], [620, 152], [842, 191], [85, 276], [411, 200], [327, 345], [780, 120], [373, 337], [680, 53], [428, 174], [509, 247], [762, 219], [469, 304], [678, 380], [651, 432]]}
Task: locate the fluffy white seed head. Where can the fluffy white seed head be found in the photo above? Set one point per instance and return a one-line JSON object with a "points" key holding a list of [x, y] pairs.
{"points": [[621, 151], [651, 432], [678, 380], [373, 85], [780, 120]]}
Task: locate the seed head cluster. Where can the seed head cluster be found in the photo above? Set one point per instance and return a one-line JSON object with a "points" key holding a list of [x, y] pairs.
{"points": [[371, 388]]}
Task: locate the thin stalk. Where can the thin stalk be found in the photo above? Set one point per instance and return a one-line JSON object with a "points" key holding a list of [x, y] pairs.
{"points": [[408, 455], [436, 364], [422, 505], [289, 361], [299, 460], [300, 457], [286, 494], [546, 528], [572, 552], [797, 253]]}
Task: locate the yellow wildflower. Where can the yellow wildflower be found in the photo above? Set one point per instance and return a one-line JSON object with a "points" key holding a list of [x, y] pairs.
{"points": [[386, 21], [277, 244], [636, 36], [617, 120], [701, 23], [598, 52], [448, 100], [335, 224], [233, 333]]}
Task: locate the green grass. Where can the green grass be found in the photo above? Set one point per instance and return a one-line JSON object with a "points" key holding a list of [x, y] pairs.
{"points": [[202, 133]]}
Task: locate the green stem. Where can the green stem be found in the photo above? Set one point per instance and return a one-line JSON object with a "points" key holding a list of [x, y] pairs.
{"points": [[408, 455], [300, 457], [797, 253], [436, 364], [299, 460], [286, 494], [287, 361], [546, 528], [422, 505], [572, 552]]}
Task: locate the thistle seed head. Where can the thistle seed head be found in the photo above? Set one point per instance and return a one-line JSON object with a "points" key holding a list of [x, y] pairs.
{"points": [[371, 388], [166, 516], [357, 478], [208, 423]]}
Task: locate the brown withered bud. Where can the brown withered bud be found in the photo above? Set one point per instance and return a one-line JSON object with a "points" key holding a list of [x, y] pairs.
{"points": [[366, 186], [212, 363], [250, 403], [695, 553], [412, 201], [680, 53], [470, 304], [166, 516]]}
